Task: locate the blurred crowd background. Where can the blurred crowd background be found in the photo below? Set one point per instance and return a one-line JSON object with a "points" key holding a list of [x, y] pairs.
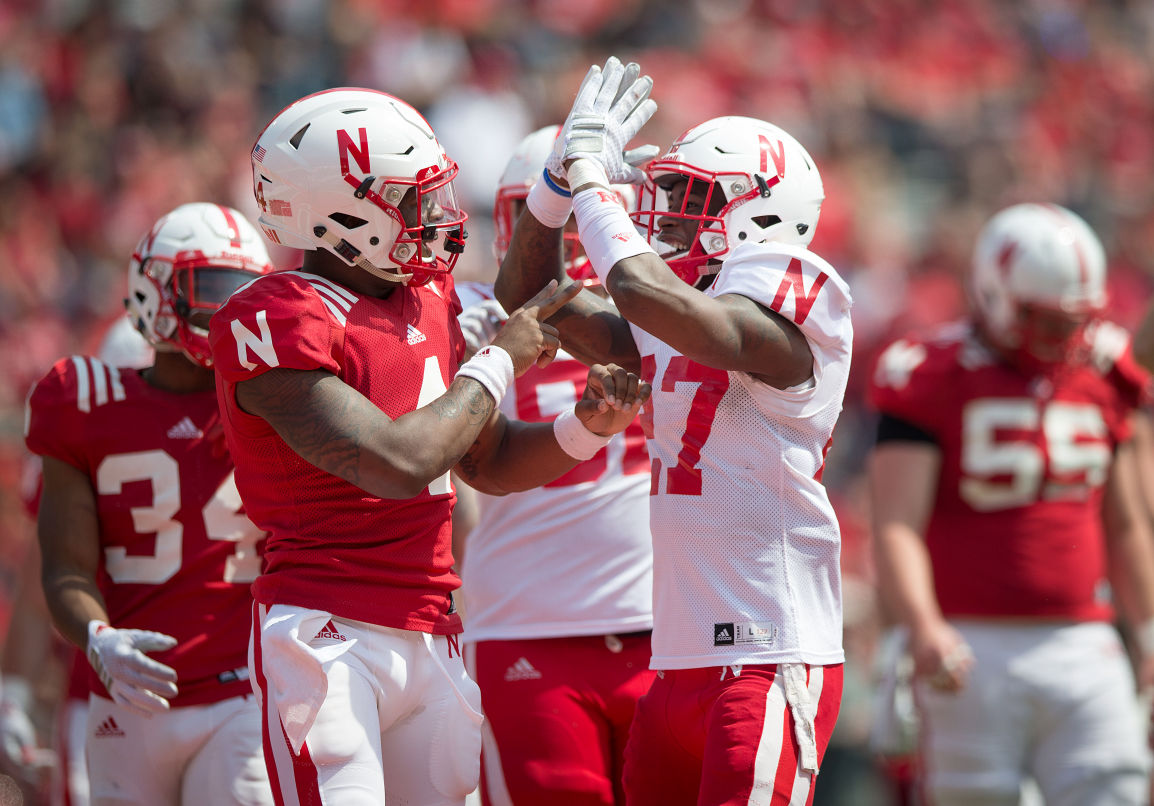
{"points": [[924, 117]]}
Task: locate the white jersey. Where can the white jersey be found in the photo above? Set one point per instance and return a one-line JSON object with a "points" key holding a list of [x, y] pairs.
{"points": [[573, 557], [746, 544]]}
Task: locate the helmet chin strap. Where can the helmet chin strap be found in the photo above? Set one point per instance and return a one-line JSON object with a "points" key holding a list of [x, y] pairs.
{"points": [[353, 255]]}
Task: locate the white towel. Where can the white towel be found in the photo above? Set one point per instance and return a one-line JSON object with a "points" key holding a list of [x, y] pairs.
{"points": [[294, 670]]}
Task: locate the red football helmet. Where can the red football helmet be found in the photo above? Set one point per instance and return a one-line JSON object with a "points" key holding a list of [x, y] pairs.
{"points": [[1039, 277], [523, 169], [360, 173], [185, 268], [770, 190]]}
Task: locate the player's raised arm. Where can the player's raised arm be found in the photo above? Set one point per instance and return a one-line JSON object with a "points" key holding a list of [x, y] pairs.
{"points": [[590, 327]]}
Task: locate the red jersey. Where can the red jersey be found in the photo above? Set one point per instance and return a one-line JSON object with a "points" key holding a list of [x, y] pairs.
{"points": [[177, 554], [331, 545], [1016, 528]]}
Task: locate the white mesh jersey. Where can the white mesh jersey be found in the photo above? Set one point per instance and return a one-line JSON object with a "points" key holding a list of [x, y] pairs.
{"points": [[746, 544], [573, 557]]}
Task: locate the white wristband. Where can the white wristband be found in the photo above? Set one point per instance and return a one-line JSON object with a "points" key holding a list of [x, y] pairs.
{"points": [[491, 367], [607, 233], [548, 202], [1144, 637], [574, 438], [94, 626], [586, 172]]}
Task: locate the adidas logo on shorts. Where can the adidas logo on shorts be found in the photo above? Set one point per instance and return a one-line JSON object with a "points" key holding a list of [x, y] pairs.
{"points": [[108, 728], [521, 670], [330, 632]]}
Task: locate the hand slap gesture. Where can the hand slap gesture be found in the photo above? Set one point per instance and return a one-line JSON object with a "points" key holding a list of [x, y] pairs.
{"points": [[612, 398], [526, 337], [611, 106]]}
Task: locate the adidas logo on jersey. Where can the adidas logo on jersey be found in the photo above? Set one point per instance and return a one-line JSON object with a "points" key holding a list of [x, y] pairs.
{"points": [[521, 670], [415, 336], [108, 728], [185, 429], [331, 633], [723, 634]]}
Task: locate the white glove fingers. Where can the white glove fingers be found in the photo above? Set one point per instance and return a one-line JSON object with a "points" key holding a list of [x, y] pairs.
{"points": [[139, 700], [632, 95], [610, 85], [587, 93], [640, 112], [141, 682], [640, 155], [151, 669], [148, 641], [632, 71], [131, 674]]}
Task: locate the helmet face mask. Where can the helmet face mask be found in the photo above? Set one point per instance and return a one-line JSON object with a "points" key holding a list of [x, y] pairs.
{"points": [[360, 173], [755, 184], [1049, 336], [1039, 278], [184, 269], [685, 218]]}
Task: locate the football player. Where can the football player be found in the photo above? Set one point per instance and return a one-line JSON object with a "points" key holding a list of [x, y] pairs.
{"points": [[1005, 508], [120, 345], [345, 410], [561, 656], [147, 556], [745, 335]]}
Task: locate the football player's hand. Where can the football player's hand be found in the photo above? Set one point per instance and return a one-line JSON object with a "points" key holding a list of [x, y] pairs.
{"points": [[480, 323], [941, 657], [612, 398], [17, 735], [526, 337], [133, 679], [611, 106]]}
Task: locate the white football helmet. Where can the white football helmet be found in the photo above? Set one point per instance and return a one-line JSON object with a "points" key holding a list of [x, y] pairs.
{"points": [[1033, 260], [361, 174], [188, 264], [523, 169], [769, 184]]}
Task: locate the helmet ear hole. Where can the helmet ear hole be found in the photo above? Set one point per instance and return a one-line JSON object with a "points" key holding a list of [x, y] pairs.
{"points": [[767, 221], [348, 221]]}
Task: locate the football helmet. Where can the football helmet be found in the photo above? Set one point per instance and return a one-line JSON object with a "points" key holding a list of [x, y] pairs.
{"points": [[769, 185], [187, 265], [360, 173], [1039, 276], [523, 169]]}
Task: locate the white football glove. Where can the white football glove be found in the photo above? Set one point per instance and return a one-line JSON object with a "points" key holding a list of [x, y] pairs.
{"points": [[17, 735], [610, 108], [480, 324], [133, 679]]}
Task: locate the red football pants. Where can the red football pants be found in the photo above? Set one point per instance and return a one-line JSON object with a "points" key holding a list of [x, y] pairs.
{"points": [[557, 716], [708, 737]]}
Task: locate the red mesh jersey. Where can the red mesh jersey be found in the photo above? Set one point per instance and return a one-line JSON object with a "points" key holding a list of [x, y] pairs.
{"points": [[177, 552], [331, 545], [1016, 528]]}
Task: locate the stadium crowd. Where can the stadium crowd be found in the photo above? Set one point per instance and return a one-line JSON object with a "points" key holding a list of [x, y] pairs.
{"points": [[925, 117]]}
